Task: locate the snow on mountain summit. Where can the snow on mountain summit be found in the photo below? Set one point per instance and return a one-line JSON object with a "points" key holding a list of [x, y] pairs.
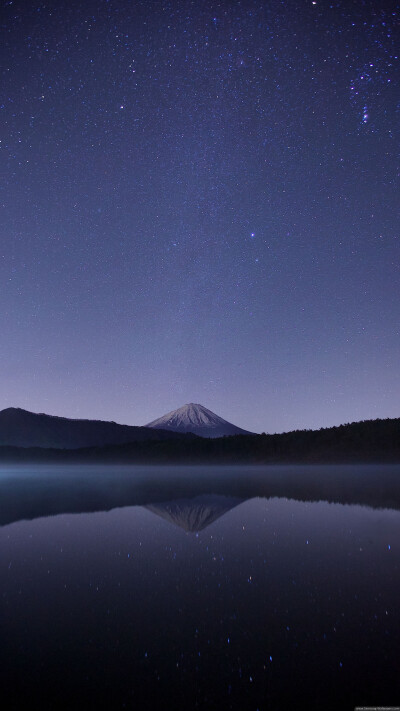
{"points": [[197, 419], [190, 414]]}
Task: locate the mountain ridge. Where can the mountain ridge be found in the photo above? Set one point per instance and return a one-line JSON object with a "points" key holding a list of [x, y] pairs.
{"points": [[372, 441], [22, 428]]}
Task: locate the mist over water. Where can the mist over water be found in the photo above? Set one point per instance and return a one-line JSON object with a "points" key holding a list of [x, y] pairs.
{"points": [[200, 588], [32, 491]]}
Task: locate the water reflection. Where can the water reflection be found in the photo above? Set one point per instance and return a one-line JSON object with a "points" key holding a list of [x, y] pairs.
{"points": [[243, 603], [194, 514], [27, 493]]}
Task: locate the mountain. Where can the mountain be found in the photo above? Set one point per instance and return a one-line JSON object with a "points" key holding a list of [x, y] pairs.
{"points": [[197, 419], [196, 513], [20, 428]]}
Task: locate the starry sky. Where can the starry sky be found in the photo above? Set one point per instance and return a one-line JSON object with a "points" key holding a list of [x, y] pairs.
{"points": [[200, 203]]}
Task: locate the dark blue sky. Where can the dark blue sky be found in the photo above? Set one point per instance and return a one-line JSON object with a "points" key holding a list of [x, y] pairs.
{"points": [[200, 203]]}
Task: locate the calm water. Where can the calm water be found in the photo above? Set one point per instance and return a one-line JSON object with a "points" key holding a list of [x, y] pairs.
{"points": [[200, 588]]}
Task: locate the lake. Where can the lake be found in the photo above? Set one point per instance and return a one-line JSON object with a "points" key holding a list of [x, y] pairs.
{"points": [[200, 588]]}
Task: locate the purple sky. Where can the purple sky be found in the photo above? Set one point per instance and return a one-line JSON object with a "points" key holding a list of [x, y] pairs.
{"points": [[200, 203]]}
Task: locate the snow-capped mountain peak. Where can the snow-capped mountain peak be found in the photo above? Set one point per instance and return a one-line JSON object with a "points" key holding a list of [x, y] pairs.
{"points": [[197, 419]]}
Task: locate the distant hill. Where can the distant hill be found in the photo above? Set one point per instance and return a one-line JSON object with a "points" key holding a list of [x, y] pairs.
{"points": [[20, 428], [197, 419], [375, 441]]}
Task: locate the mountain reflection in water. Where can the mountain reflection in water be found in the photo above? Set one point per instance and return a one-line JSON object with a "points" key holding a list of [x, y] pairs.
{"points": [[271, 603], [194, 514], [28, 493]]}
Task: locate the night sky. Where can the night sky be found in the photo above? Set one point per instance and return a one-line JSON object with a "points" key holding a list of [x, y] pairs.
{"points": [[200, 203]]}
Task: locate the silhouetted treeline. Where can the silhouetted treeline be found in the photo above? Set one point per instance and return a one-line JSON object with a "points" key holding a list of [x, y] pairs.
{"points": [[367, 441]]}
